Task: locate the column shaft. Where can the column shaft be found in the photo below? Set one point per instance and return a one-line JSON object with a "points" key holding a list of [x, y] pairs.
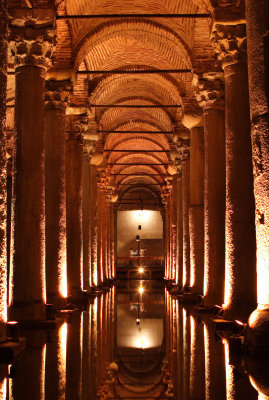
{"points": [[86, 207], [93, 226], [185, 215], [214, 206], [74, 214], [258, 63], [3, 169], [55, 198], [179, 271], [29, 196], [240, 266], [196, 211]]}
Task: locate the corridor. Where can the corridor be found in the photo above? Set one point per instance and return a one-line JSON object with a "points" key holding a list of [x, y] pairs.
{"points": [[134, 199]]}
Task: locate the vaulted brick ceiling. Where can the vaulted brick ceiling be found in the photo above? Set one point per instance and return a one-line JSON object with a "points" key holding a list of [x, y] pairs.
{"points": [[107, 44]]}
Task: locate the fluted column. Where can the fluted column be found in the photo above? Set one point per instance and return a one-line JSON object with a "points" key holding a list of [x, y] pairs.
{"points": [[32, 49], [240, 246], [196, 210], [56, 98], [3, 166], [257, 16], [77, 126], [210, 93]]}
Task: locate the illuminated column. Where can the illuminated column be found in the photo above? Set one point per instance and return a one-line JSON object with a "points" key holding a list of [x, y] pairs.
{"points": [[258, 44], [56, 98], [210, 93], [185, 216], [3, 172], [215, 383], [167, 238], [93, 227], [32, 49], [77, 126], [197, 367], [173, 228], [196, 210], [240, 265], [179, 271], [89, 142], [100, 276]]}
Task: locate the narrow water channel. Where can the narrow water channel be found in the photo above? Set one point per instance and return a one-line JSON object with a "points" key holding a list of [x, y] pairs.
{"points": [[132, 345]]}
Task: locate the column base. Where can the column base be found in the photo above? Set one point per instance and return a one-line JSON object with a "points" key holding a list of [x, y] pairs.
{"points": [[258, 329], [27, 311]]}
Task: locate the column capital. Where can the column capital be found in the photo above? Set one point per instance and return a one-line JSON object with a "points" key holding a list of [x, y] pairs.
{"points": [[57, 93], [209, 90], [31, 46], [230, 43]]}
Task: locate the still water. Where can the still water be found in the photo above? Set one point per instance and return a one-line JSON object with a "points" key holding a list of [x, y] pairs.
{"points": [[127, 346]]}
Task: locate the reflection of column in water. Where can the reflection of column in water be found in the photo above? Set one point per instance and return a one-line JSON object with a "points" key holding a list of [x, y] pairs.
{"points": [[238, 386], [85, 365], [197, 368], [73, 359], [174, 347], [29, 369], [55, 369], [93, 353], [180, 354], [186, 351], [214, 367]]}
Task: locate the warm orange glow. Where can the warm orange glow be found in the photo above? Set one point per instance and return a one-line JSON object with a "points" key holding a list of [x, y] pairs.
{"points": [[63, 279], [141, 270], [229, 279], [43, 280], [3, 389], [230, 381], [62, 344], [42, 373], [206, 280], [263, 275], [141, 290]]}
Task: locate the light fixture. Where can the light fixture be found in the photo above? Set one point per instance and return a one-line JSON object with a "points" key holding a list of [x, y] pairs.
{"points": [[141, 270], [137, 321], [12, 331], [141, 289], [137, 238]]}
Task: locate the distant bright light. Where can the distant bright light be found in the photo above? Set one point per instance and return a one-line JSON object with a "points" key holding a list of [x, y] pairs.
{"points": [[143, 342], [141, 290], [141, 270]]}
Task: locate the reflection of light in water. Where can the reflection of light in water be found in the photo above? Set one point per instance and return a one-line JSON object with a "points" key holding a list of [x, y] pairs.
{"points": [[142, 341], [62, 340], [193, 349], [3, 389], [207, 362], [230, 382], [42, 372], [261, 396]]}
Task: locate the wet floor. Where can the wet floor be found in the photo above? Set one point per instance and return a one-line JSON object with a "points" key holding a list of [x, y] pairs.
{"points": [[132, 345]]}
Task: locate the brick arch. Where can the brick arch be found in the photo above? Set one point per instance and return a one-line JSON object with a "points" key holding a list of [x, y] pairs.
{"points": [[115, 42]]}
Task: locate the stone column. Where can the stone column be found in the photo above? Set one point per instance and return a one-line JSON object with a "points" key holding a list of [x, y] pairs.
{"points": [[196, 210], [3, 167], [173, 228], [93, 227], [56, 98], [258, 46], [87, 203], [77, 125], [240, 266], [179, 271], [185, 216], [167, 239], [197, 364], [210, 94], [32, 49]]}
